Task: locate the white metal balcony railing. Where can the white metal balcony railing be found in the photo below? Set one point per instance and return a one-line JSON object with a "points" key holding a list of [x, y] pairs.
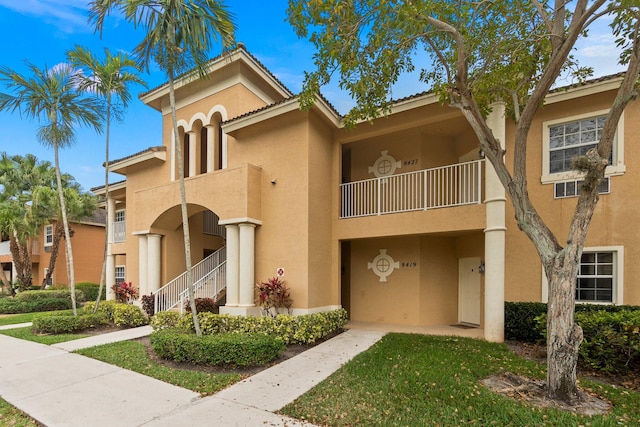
{"points": [[6, 250], [119, 231], [209, 279], [446, 186]]}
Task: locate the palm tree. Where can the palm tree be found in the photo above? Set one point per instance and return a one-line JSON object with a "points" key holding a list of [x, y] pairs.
{"points": [[20, 217], [109, 79], [179, 36], [52, 97], [79, 205]]}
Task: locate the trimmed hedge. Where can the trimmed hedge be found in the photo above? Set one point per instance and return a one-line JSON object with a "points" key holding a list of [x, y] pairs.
{"points": [[129, 316], [611, 340], [64, 324], [304, 329], [14, 305], [520, 321], [235, 350], [49, 294], [123, 315], [90, 290]]}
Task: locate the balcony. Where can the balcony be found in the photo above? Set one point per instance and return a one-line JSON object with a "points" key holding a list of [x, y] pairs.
{"points": [[446, 186]]}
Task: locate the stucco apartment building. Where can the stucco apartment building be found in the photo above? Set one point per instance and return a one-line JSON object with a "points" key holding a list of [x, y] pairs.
{"points": [[87, 243], [399, 221]]}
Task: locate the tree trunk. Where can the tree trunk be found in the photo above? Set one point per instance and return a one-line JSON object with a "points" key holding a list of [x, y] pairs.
{"points": [[17, 253], [107, 226], [183, 206], [563, 335], [58, 233], [67, 235]]}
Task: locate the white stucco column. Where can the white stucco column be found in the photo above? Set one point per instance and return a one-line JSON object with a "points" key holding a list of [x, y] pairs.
{"points": [[211, 137], [110, 276], [143, 278], [233, 265], [247, 264], [192, 153], [111, 217], [494, 238], [153, 262]]}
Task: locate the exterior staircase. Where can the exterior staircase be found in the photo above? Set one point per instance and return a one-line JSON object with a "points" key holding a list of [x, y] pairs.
{"points": [[209, 281]]}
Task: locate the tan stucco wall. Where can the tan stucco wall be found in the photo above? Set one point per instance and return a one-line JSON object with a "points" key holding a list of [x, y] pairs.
{"points": [[423, 291], [614, 218], [87, 245]]}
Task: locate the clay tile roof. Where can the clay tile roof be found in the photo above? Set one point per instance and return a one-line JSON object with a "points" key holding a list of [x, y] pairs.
{"points": [[148, 150], [588, 82], [100, 187]]}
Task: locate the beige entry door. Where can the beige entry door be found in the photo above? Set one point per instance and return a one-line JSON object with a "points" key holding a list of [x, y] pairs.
{"points": [[469, 290]]}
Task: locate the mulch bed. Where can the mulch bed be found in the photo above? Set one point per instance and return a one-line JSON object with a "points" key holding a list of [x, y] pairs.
{"points": [[534, 391]]}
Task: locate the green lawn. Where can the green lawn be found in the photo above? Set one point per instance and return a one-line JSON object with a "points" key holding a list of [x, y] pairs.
{"points": [[26, 334], [10, 416], [132, 355], [418, 380], [13, 319]]}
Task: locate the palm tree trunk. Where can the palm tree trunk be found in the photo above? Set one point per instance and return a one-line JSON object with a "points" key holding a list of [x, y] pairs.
{"points": [[183, 206], [107, 226], [67, 235], [18, 260]]}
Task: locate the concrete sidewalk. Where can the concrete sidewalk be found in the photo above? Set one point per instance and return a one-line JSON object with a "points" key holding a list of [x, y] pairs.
{"points": [[59, 388]]}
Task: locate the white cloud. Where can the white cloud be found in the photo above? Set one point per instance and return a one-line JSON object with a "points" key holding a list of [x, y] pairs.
{"points": [[68, 15]]}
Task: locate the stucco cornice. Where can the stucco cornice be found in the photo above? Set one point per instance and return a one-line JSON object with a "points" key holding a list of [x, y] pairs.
{"points": [[154, 153]]}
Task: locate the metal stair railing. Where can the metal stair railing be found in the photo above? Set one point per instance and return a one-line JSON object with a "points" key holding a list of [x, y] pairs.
{"points": [[170, 295], [210, 286]]}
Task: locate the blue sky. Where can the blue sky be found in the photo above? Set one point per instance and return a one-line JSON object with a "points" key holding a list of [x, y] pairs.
{"points": [[41, 31]]}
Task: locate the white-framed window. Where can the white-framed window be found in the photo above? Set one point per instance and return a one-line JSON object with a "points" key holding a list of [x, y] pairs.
{"points": [[48, 235], [566, 138], [573, 188], [600, 276], [120, 274], [119, 226], [119, 215]]}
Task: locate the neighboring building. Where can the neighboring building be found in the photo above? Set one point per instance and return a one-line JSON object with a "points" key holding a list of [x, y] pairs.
{"points": [[399, 221], [87, 242]]}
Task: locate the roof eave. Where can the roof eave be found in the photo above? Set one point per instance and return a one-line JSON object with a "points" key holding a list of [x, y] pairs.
{"points": [[153, 97]]}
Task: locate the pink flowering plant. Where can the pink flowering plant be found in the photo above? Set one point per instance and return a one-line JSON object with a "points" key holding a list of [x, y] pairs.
{"points": [[273, 297], [125, 292]]}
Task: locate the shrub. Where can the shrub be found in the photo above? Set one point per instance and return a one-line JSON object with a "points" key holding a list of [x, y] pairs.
{"points": [[203, 305], [305, 329], [165, 320], [148, 304], [14, 305], [125, 292], [49, 294], [129, 316], [90, 290], [61, 324], [105, 307], [519, 320], [273, 296], [219, 350], [611, 340]]}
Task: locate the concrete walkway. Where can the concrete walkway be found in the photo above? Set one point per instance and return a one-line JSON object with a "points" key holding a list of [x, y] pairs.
{"points": [[58, 388]]}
